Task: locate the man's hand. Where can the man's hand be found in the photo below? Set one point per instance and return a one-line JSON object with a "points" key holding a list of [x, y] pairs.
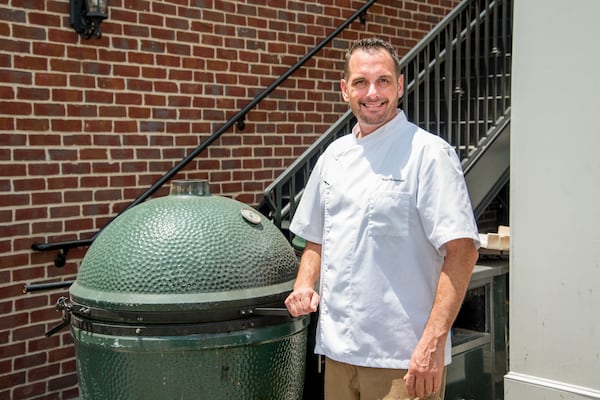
{"points": [[426, 369], [302, 301]]}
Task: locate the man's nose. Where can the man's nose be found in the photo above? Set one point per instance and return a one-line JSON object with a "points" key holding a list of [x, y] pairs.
{"points": [[372, 91]]}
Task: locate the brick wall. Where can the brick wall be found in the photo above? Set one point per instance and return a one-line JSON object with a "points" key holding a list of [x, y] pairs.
{"points": [[88, 125]]}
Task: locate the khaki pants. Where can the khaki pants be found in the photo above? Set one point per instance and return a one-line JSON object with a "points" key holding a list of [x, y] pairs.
{"points": [[349, 382]]}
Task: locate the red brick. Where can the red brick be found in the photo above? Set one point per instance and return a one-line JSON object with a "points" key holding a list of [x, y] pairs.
{"points": [[93, 181], [29, 332], [31, 213], [63, 381], [11, 380], [43, 372], [30, 301], [29, 360], [79, 224], [75, 168], [68, 366], [14, 199], [15, 108], [7, 124], [83, 81], [47, 227], [107, 195], [82, 110], [45, 198], [62, 182], [112, 112], [49, 109], [45, 315], [30, 63], [27, 93], [98, 126], [12, 140], [92, 154], [64, 212], [179, 49], [153, 46], [29, 391], [61, 125], [112, 55]]}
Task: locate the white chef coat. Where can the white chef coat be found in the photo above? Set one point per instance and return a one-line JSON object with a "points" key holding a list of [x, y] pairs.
{"points": [[382, 207]]}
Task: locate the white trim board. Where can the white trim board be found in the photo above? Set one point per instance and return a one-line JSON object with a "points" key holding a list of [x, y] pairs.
{"points": [[533, 387]]}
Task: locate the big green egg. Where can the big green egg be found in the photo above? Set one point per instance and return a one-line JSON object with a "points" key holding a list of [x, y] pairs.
{"points": [[181, 297]]}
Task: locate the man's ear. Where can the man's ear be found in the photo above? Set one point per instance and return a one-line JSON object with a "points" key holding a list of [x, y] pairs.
{"points": [[344, 88], [400, 86]]}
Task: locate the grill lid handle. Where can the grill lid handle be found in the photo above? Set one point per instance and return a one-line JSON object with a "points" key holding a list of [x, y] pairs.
{"points": [[271, 311]]}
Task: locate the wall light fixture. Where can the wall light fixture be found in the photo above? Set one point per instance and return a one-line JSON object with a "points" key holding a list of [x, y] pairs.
{"points": [[87, 15]]}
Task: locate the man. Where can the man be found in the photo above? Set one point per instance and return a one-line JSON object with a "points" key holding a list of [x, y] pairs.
{"points": [[391, 239]]}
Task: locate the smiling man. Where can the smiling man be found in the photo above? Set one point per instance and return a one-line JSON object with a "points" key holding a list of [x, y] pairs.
{"points": [[391, 239], [372, 85]]}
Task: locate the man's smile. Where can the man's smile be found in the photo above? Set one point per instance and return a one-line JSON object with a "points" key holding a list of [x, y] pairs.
{"points": [[374, 104]]}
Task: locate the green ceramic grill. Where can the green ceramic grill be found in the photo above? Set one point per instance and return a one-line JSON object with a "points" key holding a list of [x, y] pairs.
{"points": [[181, 297]]}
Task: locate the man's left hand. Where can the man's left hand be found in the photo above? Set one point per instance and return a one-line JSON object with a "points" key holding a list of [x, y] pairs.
{"points": [[426, 369]]}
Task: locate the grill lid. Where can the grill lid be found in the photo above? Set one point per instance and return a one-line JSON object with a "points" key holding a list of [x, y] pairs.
{"points": [[183, 253]]}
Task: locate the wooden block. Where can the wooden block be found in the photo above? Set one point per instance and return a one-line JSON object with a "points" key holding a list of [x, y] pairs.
{"points": [[493, 241], [504, 242], [503, 230]]}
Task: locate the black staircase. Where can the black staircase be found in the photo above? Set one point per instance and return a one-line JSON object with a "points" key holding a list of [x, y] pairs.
{"points": [[457, 85]]}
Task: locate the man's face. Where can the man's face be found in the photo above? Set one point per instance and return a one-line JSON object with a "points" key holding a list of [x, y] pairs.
{"points": [[372, 88]]}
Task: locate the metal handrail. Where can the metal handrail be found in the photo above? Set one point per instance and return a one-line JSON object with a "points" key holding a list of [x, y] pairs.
{"points": [[457, 85], [238, 119]]}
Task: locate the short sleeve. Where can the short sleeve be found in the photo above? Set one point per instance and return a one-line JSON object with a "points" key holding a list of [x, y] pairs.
{"points": [[307, 221], [443, 200]]}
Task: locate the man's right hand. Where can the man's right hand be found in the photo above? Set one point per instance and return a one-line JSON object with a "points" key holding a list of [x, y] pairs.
{"points": [[302, 302]]}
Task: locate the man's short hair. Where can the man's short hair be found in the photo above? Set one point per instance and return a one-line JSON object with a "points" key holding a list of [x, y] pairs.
{"points": [[372, 44]]}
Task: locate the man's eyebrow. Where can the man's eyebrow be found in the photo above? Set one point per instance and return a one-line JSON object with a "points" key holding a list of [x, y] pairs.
{"points": [[385, 76]]}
